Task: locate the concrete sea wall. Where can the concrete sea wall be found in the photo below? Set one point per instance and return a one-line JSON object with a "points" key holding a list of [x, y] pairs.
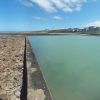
{"points": [[20, 74], [37, 86]]}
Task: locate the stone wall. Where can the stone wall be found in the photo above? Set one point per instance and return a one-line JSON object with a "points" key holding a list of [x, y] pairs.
{"points": [[11, 67]]}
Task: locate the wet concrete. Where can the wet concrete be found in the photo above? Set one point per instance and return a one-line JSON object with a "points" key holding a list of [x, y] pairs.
{"points": [[36, 79]]}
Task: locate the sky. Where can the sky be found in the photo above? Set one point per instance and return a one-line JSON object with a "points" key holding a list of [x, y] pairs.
{"points": [[30, 15]]}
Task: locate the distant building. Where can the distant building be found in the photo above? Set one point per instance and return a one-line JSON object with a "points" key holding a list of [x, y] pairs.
{"points": [[69, 29], [91, 28], [98, 28], [76, 30]]}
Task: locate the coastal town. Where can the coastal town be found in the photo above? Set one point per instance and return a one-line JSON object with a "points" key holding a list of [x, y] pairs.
{"points": [[91, 30], [85, 30]]}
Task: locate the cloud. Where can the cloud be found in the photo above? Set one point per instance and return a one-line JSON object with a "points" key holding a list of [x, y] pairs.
{"points": [[57, 18], [45, 4], [95, 23], [54, 5]]}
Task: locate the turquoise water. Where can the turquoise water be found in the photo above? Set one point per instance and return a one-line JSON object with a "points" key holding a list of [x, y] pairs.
{"points": [[70, 64]]}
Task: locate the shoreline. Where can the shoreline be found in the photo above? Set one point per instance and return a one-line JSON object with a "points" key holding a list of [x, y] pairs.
{"points": [[12, 33]]}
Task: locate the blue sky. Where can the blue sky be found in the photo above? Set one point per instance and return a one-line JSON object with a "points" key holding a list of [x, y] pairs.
{"points": [[28, 15]]}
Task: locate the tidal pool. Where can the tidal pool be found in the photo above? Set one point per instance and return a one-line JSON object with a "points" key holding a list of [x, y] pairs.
{"points": [[70, 64]]}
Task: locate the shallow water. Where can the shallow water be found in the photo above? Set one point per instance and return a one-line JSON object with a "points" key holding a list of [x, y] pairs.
{"points": [[71, 65]]}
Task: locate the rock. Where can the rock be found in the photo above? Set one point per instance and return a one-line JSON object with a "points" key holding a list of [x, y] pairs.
{"points": [[36, 94], [33, 70], [17, 93]]}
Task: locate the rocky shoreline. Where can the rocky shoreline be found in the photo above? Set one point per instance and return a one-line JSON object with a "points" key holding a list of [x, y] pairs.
{"points": [[11, 66]]}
